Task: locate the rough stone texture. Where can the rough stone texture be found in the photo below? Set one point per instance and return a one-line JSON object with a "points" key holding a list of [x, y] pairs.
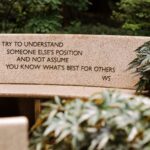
{"points": [[13, 134], [107, 58], [46, 91]]}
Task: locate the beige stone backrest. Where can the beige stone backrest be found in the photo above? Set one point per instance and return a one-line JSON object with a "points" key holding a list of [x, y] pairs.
{"points": [[43, 65], [13, 133]]}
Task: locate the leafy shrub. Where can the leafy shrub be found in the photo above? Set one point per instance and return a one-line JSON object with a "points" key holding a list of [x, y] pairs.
{"points": [[142, 65], [59, 16], [108, 121], [133, 14], [37, 16], [76, 27]]}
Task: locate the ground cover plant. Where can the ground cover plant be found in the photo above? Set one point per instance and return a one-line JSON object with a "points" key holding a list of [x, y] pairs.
{"points": [[105, 121]]}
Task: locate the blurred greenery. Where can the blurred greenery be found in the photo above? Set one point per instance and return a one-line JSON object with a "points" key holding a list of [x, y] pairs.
{"points": [[37, 16], [106, 121], [133, 14], [77, 27], [130, 17]]}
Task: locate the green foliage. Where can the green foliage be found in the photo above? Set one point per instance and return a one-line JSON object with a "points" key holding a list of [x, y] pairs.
{"points": [[37, 16], [133, 14], [43, 25], [142, 65], [59, 16], [80, 5], [106, 121], [76, 27]]}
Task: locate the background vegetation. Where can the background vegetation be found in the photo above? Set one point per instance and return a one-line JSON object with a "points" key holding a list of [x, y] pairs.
{"points": [[123, 17]]}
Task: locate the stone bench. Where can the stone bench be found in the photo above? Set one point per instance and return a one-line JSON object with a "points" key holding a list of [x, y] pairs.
{"points": [[42, 65], [13, 133]]}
